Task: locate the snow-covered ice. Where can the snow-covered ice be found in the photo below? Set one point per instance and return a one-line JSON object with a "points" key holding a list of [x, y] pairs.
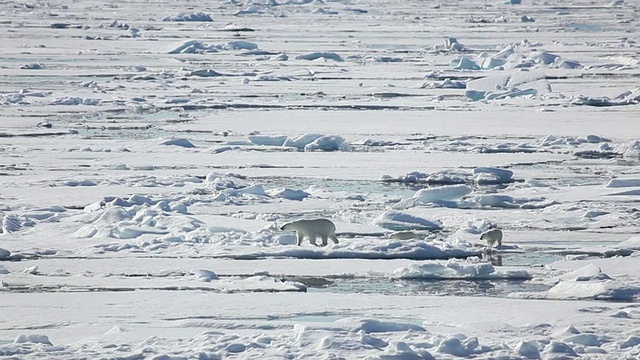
{"points": [[150, 153]]}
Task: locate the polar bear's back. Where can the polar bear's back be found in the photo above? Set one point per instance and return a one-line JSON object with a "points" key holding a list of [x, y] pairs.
{"points": [[316, 226], [492, 236]]}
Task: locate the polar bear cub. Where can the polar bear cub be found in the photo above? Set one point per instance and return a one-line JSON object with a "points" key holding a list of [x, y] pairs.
{"points": [[324, 228], [492, 236]]}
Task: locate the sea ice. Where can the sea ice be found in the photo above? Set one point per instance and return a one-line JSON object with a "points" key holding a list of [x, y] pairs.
{"points": [[450, 44], [631, 97], [507, 201], [445, 84], [178, 142], [320, 55], [398, 221], [104, 215], [10, 223], [501, 86], [289, 194], [251, 9], [204, 274], [486, 175], [458, 269], [33, 338], [435, 195], [447, 177], [459, 346], [268, 140], [75, 101], [198, 47], [328, 143], [586, 273], [197, 16], [239, 45], [632, 243], [302, 141], [623, 182]]}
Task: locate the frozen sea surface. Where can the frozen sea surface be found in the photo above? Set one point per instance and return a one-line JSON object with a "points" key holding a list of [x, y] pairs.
{"points": [[149, 154]]}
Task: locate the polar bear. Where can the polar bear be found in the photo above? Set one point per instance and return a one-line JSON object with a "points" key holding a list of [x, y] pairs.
{"points": [[312, 228], [492, 236]]}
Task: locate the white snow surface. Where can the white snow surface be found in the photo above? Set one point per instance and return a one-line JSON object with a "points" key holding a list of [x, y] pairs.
{"points": [[149, 154]]}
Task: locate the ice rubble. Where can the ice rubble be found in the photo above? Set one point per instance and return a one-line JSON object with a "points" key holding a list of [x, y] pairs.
{"points": [[511, 202], [458, 269], [630, 149], [479, 175], [508, 85], [33, 338], [445, 84], [251, 9], [398, 221], [327, 143], [631, 243], [197, 16], [289, 194], [442, 195], [11, 223], [306, 142], [631, 97], [450, 44], [301, 141], [75, 101], [320, 55], [623, 182], [185, 143], [460, 196], [198, 47], [553, 141], [590, 282], [509, 58], [32, 66], [204, 275]]}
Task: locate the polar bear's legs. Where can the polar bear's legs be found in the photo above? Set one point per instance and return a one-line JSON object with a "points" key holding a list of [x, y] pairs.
{"points": [[333, 238], [325, 239], [312, 239], [300, 236]]}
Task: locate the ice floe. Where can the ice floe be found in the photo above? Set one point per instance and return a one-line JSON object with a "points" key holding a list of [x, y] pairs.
{"points": [[502, 86], [510, 58], [268, 140], [479, 175], [198, 47], [75, 101], [399, 221], [587, 280], [458, 269], [189, 144], [196, 16], [327, 143], [511, 202], [441, 195], [185, 143], [631, 97], [320, 55]]}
